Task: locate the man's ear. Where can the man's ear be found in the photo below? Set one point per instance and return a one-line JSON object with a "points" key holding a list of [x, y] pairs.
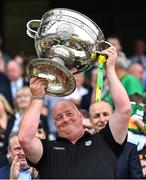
{"points": [[81, 115]]}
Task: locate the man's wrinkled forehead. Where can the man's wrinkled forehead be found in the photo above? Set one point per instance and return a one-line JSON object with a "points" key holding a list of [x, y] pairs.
{"points": [[61, 107], [101, 107]]}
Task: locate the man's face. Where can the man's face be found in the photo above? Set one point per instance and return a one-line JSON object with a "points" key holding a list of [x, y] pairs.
{"points": [[15, 149], [115, 42], [100, 114], [14, 72], [68, 120], [139, 72]]}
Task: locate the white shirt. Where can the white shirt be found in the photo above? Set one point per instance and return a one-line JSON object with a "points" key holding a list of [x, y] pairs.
{"points": [[16, 122], [77, 94], [15, 86]]}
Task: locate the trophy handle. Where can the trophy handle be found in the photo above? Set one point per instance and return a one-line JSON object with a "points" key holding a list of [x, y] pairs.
{"points": [[32, 27]]}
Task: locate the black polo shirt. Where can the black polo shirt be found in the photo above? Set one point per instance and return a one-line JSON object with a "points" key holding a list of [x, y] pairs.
{"points": [[92, 156]]}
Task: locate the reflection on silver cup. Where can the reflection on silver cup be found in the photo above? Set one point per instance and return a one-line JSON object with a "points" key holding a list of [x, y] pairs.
{"points": [[64, 42]]}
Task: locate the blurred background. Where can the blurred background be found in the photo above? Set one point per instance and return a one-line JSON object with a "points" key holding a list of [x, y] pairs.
{"points": [[127, 21]]}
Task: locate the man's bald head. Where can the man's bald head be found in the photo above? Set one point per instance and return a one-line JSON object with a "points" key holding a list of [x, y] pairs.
{"points": [[137, 70]]}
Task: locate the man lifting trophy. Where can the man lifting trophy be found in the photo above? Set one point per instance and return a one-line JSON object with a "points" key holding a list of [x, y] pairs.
{"points": [[67, 43]]}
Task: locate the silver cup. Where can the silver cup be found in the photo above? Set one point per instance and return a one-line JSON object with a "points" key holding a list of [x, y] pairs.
{"points": [[64, 41]]}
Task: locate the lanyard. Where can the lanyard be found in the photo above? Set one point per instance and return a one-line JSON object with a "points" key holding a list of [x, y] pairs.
{"points": [[101, 59]]}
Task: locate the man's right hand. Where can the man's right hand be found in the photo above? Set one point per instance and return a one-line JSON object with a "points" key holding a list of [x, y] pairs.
{"points": [[37, 86]]}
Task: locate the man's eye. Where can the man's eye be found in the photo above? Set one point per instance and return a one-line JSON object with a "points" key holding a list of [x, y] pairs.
{"points": [[69, 114], [106, 114], [17, 149], [58, 118], [96, 116]]}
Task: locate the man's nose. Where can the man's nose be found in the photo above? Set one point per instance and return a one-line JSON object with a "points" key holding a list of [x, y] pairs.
{"points": [[65, 118], [102, 118], [21, 153]]}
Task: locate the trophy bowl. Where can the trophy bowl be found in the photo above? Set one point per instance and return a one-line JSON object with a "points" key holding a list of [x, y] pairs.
{"points": [[64, 41]]}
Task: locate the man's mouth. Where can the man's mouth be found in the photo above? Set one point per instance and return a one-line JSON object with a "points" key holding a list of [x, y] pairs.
{"points": [[101, 125]]}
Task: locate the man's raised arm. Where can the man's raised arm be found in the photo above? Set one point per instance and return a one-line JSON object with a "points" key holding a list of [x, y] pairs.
{"points": [[119, 120], [31, 145]]}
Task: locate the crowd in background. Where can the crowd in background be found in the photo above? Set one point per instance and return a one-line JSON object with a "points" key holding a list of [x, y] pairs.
{"points": [[15, 97]]}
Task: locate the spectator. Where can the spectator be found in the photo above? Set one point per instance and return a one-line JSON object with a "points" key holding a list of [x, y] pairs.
{"points": [[5, 88], [6, 123], [116, 42], [22, 102], [19, 168], [128, 165], [137, 70], [136, 128], [100, 114], [15, 76]]}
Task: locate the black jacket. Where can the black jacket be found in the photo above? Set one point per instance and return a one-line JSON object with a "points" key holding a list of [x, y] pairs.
{"points": [[129, 166]]}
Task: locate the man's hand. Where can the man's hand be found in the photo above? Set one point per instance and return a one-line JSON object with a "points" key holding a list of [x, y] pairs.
{"points": [[34, 173], [112, 58], [37, 86], [15, 167]]}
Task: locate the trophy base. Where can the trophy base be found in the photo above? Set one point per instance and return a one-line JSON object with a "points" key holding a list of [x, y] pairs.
{"points": [[60, 80]]}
